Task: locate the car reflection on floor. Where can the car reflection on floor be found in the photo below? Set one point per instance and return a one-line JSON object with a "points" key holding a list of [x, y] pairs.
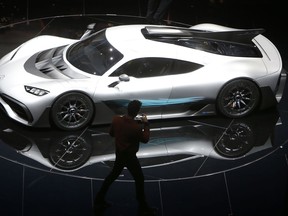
{"points": [[172, 142]]}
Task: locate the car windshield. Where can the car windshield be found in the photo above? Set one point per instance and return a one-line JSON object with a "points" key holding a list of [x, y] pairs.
{"points": [[94, 55]]}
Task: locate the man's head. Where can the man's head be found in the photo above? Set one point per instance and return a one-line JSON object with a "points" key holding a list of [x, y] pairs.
{"points": [[134, 107]]}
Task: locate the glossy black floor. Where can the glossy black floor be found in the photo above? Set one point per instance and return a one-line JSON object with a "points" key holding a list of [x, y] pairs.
{"points": [[199, 166]]}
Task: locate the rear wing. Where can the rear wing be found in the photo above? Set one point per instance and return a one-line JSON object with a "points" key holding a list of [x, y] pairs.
{"points": [[235, 36]]}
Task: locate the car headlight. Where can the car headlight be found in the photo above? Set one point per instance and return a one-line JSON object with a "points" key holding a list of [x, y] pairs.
{"points": [[36, 91]]}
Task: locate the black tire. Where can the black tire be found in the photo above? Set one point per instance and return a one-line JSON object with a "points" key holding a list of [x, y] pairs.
{"points": [[238, 98], [72, 111]]}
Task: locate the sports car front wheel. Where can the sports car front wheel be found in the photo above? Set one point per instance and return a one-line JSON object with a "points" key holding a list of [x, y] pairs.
{"points": [[238, 98], [72, 111]]}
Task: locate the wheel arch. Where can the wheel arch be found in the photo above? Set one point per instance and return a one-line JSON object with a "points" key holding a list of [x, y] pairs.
{"points": [[239, 79], [267, 96], [73, 91], [235, 79], [51, 122]]}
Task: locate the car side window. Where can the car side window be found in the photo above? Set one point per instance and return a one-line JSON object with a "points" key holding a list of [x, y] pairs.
{"points": [[222, 48], [152, 67], [181, 67], [145, 67]]}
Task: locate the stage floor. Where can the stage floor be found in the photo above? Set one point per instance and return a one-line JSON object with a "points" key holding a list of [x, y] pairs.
{"points": [[195, 166]]}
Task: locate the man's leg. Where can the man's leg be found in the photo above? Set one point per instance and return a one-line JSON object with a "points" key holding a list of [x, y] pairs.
{"points": [[135, 169], [116, 171]]}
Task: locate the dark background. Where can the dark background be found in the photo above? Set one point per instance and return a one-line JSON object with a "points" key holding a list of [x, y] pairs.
{"points": [[258, 188], [239, 13], [267, 14]]}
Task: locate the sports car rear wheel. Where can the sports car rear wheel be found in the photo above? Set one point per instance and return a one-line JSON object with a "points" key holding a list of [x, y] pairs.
{"points": [[238, 98], [72, 111]]}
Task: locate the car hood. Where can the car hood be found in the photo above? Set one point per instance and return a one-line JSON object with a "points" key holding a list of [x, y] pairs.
{"points": [[42, 57], [35, 45], [50, 64]]}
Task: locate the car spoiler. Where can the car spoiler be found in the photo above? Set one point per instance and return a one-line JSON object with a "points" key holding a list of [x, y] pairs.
{"points": [[244, 36]]}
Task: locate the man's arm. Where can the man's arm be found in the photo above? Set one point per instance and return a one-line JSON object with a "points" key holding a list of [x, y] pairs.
{"points": [[146, 130]]}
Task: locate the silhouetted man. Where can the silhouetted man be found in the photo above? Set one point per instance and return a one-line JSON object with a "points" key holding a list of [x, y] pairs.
{"points": [[128, 133]]}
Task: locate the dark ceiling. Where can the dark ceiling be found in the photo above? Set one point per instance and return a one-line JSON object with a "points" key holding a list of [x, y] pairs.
{"points": [[233, 13]]}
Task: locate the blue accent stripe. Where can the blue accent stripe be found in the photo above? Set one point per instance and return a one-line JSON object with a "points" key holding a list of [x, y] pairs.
{"points": [[153, 103], [165, 102]]}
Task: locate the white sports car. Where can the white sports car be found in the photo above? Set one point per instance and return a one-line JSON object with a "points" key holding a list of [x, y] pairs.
{"points": [[175, 72]]}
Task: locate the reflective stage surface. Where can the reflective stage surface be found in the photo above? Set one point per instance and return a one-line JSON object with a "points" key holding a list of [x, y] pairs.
{"points": [[196, 166]]}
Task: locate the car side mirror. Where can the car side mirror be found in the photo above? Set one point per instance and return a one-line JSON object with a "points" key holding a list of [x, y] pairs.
{"points": [[122, 78]]}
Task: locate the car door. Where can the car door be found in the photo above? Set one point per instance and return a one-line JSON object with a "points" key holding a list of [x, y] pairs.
{"points": [[186, 91], [143, 79]]}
